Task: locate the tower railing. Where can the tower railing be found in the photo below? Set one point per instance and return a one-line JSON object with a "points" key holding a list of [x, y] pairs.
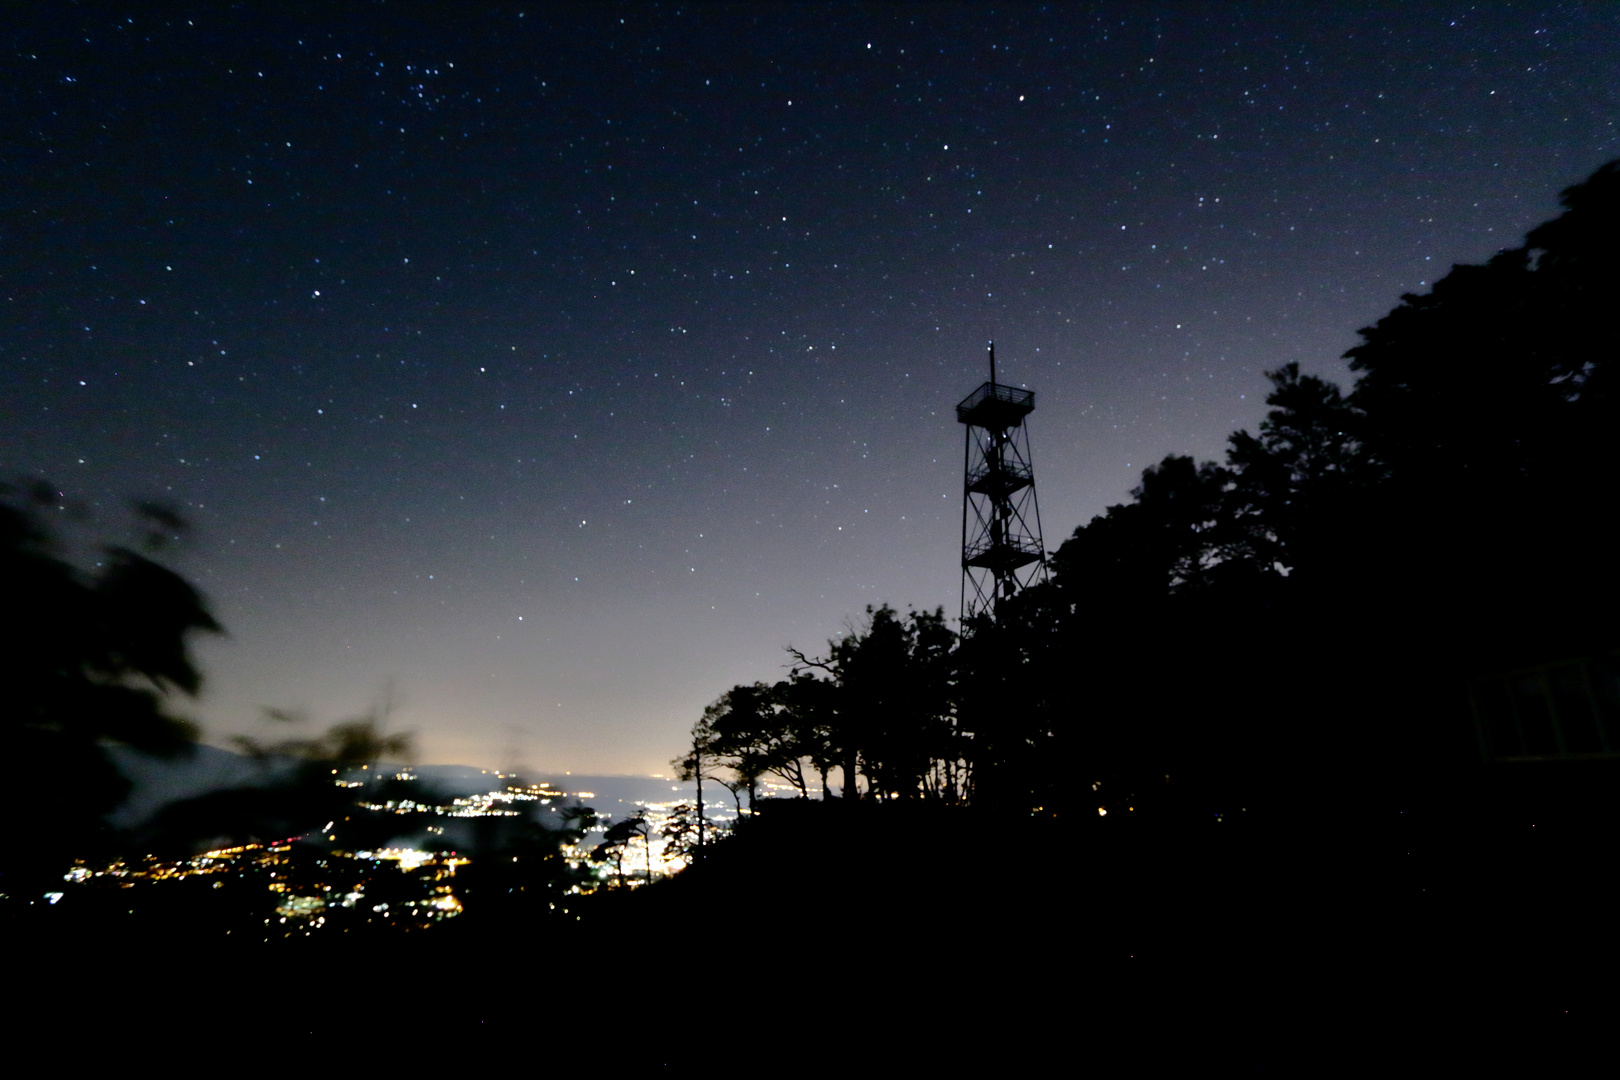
{"points": [[996, 405]]}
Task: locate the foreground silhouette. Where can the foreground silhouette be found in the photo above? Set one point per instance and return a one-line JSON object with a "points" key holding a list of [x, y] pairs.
{"points": [[91, 657]]}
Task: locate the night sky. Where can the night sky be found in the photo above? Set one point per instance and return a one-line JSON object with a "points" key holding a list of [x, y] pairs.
{"points": [[558, 367]]}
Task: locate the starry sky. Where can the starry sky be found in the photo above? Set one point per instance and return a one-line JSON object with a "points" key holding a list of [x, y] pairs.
{"points": [[551, 369]]}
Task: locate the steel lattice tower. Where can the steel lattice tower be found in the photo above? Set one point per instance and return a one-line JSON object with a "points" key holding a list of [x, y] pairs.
{"points": [[1002, 551]]}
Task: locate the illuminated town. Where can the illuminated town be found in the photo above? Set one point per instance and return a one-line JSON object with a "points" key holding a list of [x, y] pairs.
{"points": [[314, 884]]}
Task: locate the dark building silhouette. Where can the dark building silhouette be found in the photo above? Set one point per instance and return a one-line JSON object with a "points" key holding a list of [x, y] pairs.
{"points": [[1569, 709]]}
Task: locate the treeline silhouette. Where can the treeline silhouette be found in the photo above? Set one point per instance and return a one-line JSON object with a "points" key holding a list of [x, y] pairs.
{"points": [[1310, 627]]}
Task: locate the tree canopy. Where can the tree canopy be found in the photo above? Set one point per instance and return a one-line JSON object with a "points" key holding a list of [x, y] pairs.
{"points": [[94, 656]]}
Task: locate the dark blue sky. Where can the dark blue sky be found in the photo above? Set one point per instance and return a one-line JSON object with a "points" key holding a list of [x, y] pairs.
{"points": [[561, 366]]}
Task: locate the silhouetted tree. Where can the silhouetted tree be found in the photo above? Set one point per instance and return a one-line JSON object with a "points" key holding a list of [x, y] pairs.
{"points": [[93, 657], [680, 832], [748, 735], [1291, 484], [706, 762], [1015, 695], [616, 843], [890, 713], [808, 708], [1165, 540]]}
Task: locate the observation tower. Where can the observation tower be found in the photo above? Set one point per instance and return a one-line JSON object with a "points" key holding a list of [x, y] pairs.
{"points": [[1002, 552]]}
